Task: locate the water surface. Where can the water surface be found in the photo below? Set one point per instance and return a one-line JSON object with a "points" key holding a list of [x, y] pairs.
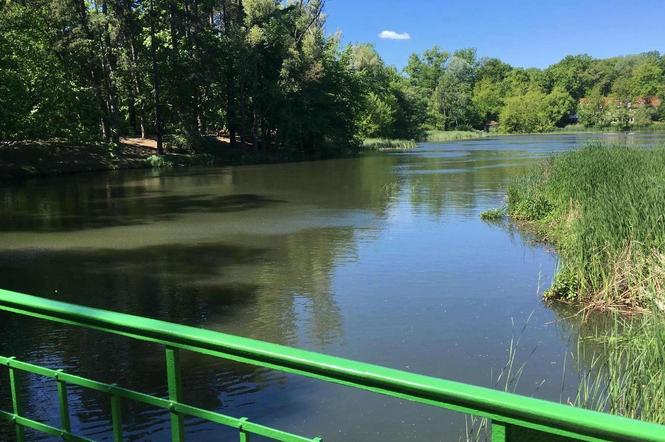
{"points": [[381, 258]]}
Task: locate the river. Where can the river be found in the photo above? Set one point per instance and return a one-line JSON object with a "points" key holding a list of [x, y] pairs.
{"points": [[381, 258]]}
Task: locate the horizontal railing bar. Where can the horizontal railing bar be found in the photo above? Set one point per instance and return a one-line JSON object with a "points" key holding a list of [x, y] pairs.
{"points": [[250, 427], [506, 407], [38, 426]]}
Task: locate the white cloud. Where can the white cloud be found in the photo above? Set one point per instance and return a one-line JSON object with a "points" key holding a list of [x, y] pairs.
{"points": [[392, 35]]}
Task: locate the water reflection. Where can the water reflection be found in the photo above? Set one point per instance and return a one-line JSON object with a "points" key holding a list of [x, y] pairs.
{"points": [[380, 258]]}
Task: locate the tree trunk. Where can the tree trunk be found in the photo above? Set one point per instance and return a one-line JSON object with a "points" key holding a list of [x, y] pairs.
{"points": [[155, 79], [92, 75]]}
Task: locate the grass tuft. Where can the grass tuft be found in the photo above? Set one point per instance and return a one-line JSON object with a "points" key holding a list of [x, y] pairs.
{"points": [[492, 214], [380, 144], [436, 136]]}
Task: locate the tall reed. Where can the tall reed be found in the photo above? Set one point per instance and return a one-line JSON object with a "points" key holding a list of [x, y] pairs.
{"points": [[624, 372], [603, 207]]}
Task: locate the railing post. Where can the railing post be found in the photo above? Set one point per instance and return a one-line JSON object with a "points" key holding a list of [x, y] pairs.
{"points": [[16, 402], [244, 436], [116, 416], [499, 431], [175, 392], [64, 404]]}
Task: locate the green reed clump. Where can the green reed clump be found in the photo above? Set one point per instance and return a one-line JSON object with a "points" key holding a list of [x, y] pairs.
{"points": [[603, 207], [387, 144], [434, 136], [626, 376], [492, 214]]}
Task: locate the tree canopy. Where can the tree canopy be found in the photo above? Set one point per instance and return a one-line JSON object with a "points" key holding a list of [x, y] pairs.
{"points": [[266, 73]]}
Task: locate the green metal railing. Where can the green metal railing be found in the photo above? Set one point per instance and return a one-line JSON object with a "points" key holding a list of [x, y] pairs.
{"points": [[509, 413]]}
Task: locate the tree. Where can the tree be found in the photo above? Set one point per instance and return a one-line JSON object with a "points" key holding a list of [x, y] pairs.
{"points": [[647, 78], [492, 69], [557, 107], [488, 98], [592, 110], [425, 72], [452, 101], [536, 111], [391, 107], [572, 74]]}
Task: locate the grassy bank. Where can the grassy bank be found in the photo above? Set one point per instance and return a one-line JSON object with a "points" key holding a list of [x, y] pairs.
{"points": [[656, 126], [24, 159], [602, 207], [431, 136], [438, 136], [381, 144]]}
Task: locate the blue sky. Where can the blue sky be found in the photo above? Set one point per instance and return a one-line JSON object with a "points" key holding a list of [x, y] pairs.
{"points": [[527, 33]]}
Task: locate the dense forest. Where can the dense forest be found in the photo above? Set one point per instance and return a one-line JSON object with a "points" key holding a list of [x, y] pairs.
{"points": [[266, 73]]}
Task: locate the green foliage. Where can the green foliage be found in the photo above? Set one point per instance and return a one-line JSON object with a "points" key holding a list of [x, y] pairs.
{"points": [[558, 106], [535, 111], [644, 116], [39, 97], [602, 207], [572, 74], [592, 111], [648, 78], [438, 136], [263, 71], [451, 105], [267, 74], [618, 116], [379, 144], [391, 108], [158, 162], [625, 375], [492, 214], [379, 116], [488, 99]]}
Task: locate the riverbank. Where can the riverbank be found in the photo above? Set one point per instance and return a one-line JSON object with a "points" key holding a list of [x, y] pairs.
{"points": [[601, 207], [25, 159]]}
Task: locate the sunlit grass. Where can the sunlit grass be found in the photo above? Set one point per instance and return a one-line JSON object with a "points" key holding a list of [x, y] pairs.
{"points": [[435, 136], [379, 144], [603, 207], [492, 214]]}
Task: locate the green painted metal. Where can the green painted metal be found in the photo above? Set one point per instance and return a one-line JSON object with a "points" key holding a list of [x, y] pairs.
{"points": [[244, 436], [64, 404], [116, 416], [175, 392], [502, 408], [499, 432], [16, 402]]}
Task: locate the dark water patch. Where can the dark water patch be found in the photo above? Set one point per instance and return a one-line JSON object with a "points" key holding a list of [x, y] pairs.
{"points": [[67, 212]]}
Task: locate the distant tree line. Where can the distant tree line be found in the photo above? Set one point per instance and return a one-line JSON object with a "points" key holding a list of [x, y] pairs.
{"points": [[264, 72], [466, 92]]}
